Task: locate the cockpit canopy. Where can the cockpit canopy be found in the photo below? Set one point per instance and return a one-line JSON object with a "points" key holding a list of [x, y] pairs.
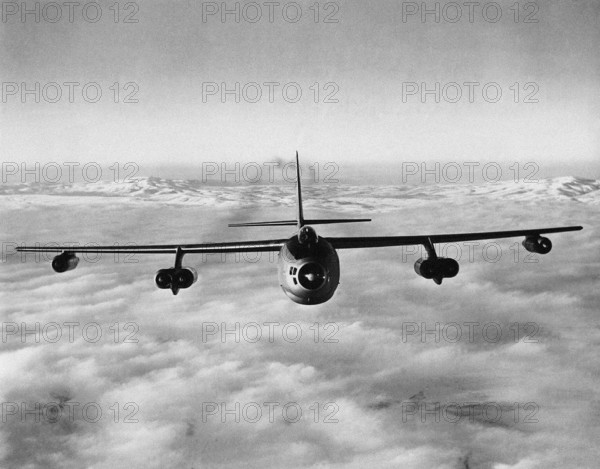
{"points": [[307, 235]]}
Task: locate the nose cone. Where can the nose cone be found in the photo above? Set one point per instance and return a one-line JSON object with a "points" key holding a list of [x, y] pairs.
{"points": [[312, 276]]}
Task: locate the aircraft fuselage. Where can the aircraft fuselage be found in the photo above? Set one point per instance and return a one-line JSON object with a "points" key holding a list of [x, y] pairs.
{"points": [[309, 273]]}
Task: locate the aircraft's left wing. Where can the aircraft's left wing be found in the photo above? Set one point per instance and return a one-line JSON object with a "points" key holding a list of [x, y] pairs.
{"points": [[383, 241], [439, 268], [208, 248]]}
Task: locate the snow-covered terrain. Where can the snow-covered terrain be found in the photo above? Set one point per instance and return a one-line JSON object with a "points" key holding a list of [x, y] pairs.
{"points": [[326, 196]]}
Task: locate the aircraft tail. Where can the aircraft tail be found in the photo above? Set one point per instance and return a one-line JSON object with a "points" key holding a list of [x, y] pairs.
{"points": [[317, 221], [300, 216], [300, 221]]}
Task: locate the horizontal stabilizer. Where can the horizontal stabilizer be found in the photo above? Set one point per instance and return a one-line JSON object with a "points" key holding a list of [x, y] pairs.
{"points": [[321, 221], [266, 223], [331, 221]]}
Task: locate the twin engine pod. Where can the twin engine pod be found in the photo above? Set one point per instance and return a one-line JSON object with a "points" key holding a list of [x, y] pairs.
{"points": [[65, 261], [537, 244], [437, 268], [176, 278]]}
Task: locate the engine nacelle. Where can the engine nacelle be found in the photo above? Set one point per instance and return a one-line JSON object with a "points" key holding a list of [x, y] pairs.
{"points": [[440, 267], [164, 278], [178, 278], [65, 261], [537, 244], [185, 278]]}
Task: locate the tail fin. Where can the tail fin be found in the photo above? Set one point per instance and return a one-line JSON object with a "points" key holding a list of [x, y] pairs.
{"points": [[300, 218], [300, 221]]}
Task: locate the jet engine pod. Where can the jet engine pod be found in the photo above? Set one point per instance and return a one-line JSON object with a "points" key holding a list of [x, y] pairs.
{"points": [[426, 268], [164, 278], [176, 278], [448, 267], [537, 244], [65, 261], [185, 278], [440, 267]]}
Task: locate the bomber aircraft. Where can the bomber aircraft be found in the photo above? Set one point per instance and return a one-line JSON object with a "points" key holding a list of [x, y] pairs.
{"points": [[308, 264]]}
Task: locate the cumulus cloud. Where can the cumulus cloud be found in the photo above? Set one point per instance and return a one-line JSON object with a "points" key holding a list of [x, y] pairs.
{"points": [[182, 382]]}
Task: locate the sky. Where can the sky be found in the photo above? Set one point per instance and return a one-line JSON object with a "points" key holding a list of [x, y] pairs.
{"points": [[362, 69], [100, 369]]}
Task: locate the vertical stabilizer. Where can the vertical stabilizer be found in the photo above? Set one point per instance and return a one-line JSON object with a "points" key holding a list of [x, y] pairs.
{"points": [[299, 187], [300, 221]]}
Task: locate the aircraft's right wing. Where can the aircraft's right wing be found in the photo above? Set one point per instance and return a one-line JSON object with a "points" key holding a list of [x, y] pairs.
{"points": [[208, 248], [384, 241], [171, 278]]}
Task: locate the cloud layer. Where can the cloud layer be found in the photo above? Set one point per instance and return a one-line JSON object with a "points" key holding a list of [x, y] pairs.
{"points": [[369, 371]]}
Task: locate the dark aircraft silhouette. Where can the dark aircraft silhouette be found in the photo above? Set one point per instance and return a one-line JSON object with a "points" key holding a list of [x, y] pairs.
{"points": [[308, 264]]}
